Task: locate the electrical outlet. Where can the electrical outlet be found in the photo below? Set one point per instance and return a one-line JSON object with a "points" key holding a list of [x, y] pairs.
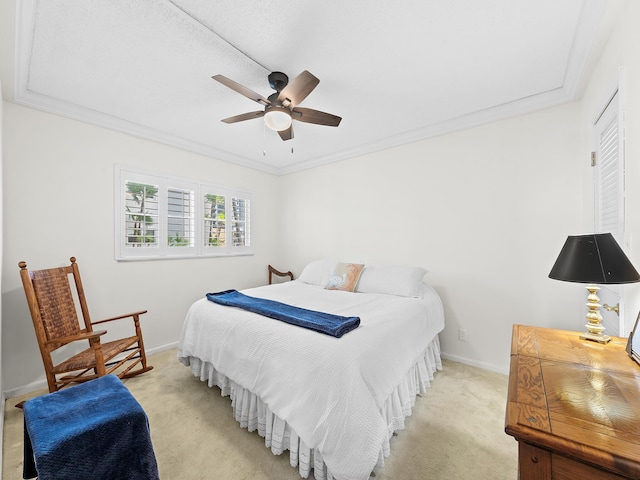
{"points": [[462, 334]]}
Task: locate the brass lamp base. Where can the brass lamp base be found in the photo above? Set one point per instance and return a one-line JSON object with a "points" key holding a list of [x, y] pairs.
{"points": [[594, 319], [600, 338]]}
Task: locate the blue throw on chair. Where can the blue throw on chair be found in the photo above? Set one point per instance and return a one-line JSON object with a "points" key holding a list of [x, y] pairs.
{"points": [[94, 430]]}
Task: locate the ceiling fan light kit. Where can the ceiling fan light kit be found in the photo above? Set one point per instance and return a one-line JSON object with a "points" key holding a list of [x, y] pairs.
{"points": [[280, 109], [277, 118]]}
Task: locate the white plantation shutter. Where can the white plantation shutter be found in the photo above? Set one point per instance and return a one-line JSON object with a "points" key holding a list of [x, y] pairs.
{"points": [[140, 215], [240, 222], [215, 231], [180, 218], [160, 216], [227, 221], [609, 175], [609, 198]]}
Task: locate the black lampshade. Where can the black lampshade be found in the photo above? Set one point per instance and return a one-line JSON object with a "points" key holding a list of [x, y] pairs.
{"points": [[595, 258]]}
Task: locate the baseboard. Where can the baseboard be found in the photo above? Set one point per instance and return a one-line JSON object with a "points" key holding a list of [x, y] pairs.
{"points": [[162, 348], [474, 363], [24, 389], [40, 384]]}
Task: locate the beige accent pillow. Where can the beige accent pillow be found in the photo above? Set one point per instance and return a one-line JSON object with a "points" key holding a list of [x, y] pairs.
{"points": [[345, 277]]}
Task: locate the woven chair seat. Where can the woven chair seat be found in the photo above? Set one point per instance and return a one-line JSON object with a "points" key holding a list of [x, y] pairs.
{"points": [[87, 359]]}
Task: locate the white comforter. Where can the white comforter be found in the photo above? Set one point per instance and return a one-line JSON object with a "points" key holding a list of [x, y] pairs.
{"points": [[330, 390]]}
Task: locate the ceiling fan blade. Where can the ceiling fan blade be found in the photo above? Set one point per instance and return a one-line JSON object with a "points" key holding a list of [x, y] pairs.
{"points": [[241, 89], [243, 116], [286, 134], [297, 90], [309, 115]]}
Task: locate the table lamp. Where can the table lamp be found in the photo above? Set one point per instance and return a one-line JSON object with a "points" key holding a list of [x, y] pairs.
{"points": [[595, 259]]}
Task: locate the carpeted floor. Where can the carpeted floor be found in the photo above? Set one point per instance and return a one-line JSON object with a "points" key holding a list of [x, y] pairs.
{"points": [[456, 430]]}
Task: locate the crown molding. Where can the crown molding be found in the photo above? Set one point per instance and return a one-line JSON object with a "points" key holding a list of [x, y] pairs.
{"points": [[579, 63]]}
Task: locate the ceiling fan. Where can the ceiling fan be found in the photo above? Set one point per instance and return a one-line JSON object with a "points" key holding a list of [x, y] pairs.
{"points": [[281, 108]]}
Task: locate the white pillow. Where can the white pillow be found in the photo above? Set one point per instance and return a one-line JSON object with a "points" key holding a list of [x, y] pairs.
{"points": [[317, 272], [398, 280]]}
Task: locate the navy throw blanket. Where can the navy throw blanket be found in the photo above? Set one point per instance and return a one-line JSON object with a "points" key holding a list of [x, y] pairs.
{"points": [[95, 430], [327, 323]]}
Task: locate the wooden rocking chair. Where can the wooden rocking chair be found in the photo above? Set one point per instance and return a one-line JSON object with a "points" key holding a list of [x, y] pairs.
{"points": [[55, 313]]}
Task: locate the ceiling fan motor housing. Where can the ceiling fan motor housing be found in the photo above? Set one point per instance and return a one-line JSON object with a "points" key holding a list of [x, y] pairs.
{"points": [[278, 80]]}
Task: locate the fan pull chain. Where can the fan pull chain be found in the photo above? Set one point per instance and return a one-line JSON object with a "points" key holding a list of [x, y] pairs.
{"points": [[264, 139]]}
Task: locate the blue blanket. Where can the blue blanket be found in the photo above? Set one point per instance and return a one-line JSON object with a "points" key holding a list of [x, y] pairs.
{"points": [[327, 323], [95, 430]]}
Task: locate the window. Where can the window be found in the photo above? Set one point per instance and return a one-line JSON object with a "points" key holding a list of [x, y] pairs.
{"points": [[222, 231], [159, 216]]}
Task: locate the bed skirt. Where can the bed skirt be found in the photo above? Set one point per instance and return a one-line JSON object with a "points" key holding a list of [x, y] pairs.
{"points": [[253, 414]]}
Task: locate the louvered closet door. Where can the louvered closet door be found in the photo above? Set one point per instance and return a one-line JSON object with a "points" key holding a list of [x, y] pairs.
{"points": [[609, 199]]}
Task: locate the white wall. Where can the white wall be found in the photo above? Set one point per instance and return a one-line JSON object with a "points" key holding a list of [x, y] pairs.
{"points": [[485, 210], [58, 192]]}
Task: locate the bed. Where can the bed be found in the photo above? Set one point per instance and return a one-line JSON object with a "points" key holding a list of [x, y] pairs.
{"points": [[333, 403]]}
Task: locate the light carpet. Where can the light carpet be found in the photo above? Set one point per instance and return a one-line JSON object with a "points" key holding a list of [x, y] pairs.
{"points": [[456, 430]]}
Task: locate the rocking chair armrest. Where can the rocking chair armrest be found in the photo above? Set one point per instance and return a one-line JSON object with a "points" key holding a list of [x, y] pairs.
{"points": [[119, 317], [75, 338]]}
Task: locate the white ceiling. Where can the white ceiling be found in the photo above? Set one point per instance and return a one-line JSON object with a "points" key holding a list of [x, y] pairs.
{"points": [[394, 71]]}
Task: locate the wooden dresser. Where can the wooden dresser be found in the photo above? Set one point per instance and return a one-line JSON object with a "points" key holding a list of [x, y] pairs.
{"points": [[573, 406]]}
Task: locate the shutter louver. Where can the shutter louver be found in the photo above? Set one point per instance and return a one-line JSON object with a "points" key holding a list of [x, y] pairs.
{"points": [[610, 195]]}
